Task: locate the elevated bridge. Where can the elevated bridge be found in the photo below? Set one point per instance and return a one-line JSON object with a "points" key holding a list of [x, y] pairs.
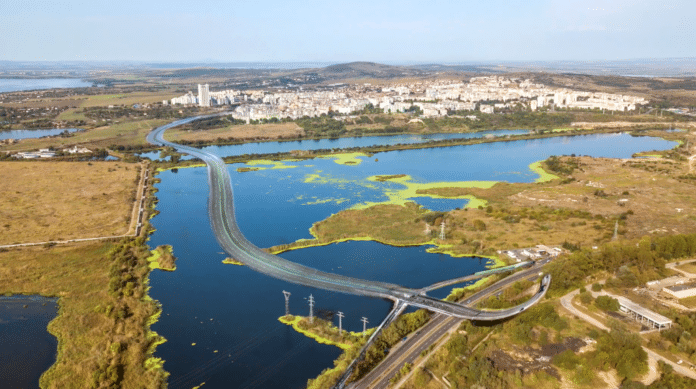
{"points": [[227, 233]]}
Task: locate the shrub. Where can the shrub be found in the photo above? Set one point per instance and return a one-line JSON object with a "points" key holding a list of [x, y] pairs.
{"points": [[566, 360], [607, 303], [585, 298]]}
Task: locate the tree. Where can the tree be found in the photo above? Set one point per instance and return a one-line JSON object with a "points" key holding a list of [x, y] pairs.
{"points": [[607, 303]]}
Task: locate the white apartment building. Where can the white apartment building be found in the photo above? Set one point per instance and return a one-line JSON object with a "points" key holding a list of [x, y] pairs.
{"points": [[203, 95]]}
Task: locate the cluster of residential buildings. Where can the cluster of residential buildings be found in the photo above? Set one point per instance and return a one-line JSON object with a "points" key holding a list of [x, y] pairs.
{"points": [[206, 98], [503, 92], [48, 153], [433, 98]]}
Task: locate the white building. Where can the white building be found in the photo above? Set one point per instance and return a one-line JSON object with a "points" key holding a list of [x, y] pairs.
{"points": [[203, 95], [42, 153], [186, 99], [681, 291]]}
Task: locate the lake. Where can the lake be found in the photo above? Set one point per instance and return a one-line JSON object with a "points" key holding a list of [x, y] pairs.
{"points": [[25, 84], [26, 134], [339, 143], [221, 320], [25, 340]]}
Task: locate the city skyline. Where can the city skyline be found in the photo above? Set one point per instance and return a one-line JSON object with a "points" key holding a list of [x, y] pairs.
{"points": [[273, 31]]}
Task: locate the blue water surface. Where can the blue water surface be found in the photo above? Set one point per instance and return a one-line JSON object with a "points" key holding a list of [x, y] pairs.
{"points": [[24, 84], [26, 134], [340, 143], [27, 348], [234, 310]]}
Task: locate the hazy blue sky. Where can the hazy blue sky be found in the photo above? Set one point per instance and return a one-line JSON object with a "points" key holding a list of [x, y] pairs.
{"points": [[336, 31]]}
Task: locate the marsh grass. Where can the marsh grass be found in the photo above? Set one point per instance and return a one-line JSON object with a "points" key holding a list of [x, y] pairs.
{"points": [[101, 325]]}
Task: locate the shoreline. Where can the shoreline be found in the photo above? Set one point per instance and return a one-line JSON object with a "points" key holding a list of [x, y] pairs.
{"points": [[497, 262], [369, 151]]}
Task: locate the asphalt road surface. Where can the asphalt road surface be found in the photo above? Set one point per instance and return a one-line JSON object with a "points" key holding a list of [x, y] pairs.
{"points": [[429, 334]]}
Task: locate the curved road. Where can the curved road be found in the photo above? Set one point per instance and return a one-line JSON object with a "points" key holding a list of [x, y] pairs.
{"points": [[221, 213]]}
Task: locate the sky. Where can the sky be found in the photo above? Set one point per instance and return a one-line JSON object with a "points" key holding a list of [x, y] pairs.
{"points": [[397, 31]]}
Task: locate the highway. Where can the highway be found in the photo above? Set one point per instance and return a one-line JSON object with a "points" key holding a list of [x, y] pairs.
{"points": [[228, 235], [430, 333]]}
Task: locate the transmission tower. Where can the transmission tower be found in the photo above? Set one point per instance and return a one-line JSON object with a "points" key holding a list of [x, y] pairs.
{"points": [[287, 302], [311, 308], [427, 229], [364, 321], [616, 231], [442, 230], [340, 323]]}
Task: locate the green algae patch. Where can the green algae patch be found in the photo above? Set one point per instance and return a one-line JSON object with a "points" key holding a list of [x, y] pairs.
{"points": [[410, 189], [162, 258], [647, 154], [460, 291], [161, 169], [341, 183], [325, 332], [326, 201], [306, 243], [316, 178], [442, 248], [544, 176], [266, 164], [346, 158], [232, 261]]}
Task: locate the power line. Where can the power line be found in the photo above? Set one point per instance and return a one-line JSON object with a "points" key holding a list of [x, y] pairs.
{"points": [[340, 326]]}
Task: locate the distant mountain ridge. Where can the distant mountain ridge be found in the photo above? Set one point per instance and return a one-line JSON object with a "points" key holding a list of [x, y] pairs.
{"points": [[366, 70]]}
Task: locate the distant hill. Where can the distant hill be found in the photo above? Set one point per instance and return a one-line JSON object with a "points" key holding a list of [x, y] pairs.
{"points": [[364, 70]]}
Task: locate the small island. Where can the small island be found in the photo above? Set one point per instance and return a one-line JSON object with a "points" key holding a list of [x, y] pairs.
{"points": [[162, 258], [232, 261]]}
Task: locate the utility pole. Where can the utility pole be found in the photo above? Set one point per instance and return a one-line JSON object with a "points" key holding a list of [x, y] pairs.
{"points": [[364, 321], [442, 230], [311, 308], [616, 231], [340, 323], [287, 302]]}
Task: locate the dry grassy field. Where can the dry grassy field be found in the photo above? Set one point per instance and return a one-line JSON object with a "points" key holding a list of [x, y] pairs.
{"points": [[659, 202], [126, 133], [129, 98], [41, 201], [240, 132]]}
